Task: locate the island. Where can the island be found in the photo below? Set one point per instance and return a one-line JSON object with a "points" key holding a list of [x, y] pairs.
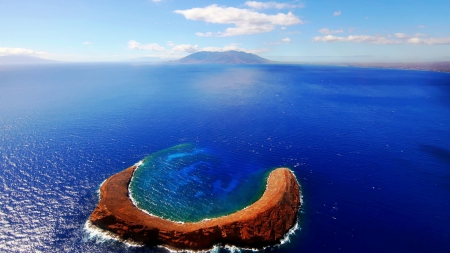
{"points": [[263, 223], [227, 57], [24, 60]]}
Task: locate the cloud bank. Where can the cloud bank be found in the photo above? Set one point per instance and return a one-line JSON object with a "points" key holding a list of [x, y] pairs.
{"points": [[272, 5], [185, 48], [429, 41], [401, 39], [245, 21], [328, 31], [20, 51], [282, 41], [401, 35], [356, 38], [176, 49], [152, 47]]}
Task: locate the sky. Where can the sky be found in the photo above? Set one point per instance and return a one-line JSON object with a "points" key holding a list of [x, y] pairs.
{"points": [[295, 31]]}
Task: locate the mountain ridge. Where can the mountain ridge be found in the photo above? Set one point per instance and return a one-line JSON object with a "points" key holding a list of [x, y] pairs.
{"points": [[23, 59], [227, 57]]}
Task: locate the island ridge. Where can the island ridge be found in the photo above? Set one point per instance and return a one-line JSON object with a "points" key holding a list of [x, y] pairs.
{"points": [[261, 224]]}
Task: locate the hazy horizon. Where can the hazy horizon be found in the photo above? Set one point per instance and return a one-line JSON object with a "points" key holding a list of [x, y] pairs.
{"points": [[27, 59]]}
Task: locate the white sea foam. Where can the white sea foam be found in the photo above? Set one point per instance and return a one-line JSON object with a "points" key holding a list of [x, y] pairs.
{"points": [[98, 190], [300, 186], [102, 236], [139, 163]]}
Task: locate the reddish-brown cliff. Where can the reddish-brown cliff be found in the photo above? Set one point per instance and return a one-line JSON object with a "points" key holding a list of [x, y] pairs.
{"points": [[263, 223]]}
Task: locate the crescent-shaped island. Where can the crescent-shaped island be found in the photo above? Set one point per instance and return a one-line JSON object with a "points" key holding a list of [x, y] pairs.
{"points": [[263, 223]]}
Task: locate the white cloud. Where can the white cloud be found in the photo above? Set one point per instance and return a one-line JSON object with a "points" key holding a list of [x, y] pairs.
{"points": [[351, 29], [208, 34], [151, 47], [86, 43], [272, 5], [429, 41], [283, 28], [179, 50], [246, 29], [233, 47], [245, 21], [156, 1], [222, 49], [404, 39], [420, 35], [282, 41], [328, 31], [421, 26], [293, 32], [401, 35], [356, 38], [185, 48], [337, 13], [20, 51]]}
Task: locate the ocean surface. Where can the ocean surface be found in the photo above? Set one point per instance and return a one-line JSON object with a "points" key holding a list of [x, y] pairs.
{"points": [[370, 148]]}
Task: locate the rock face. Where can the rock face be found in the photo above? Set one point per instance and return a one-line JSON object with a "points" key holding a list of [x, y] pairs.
{"points": [[261, 224]]}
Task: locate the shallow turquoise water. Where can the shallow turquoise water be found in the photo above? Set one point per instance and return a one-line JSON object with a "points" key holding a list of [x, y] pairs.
{"points": [[188, 183]]}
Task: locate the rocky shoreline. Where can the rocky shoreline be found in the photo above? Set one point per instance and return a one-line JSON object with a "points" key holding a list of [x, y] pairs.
{"points": [[261, 224]]}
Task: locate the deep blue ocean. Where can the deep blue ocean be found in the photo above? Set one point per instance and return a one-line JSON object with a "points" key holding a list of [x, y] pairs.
{"points": [[370, 148]]}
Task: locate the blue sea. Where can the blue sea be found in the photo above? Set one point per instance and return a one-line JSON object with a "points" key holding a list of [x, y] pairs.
{"points": [[370, 148]]}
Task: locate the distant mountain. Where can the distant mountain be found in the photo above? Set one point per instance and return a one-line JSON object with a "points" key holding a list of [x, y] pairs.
{"points": [[228, 57], [23, 59]]}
